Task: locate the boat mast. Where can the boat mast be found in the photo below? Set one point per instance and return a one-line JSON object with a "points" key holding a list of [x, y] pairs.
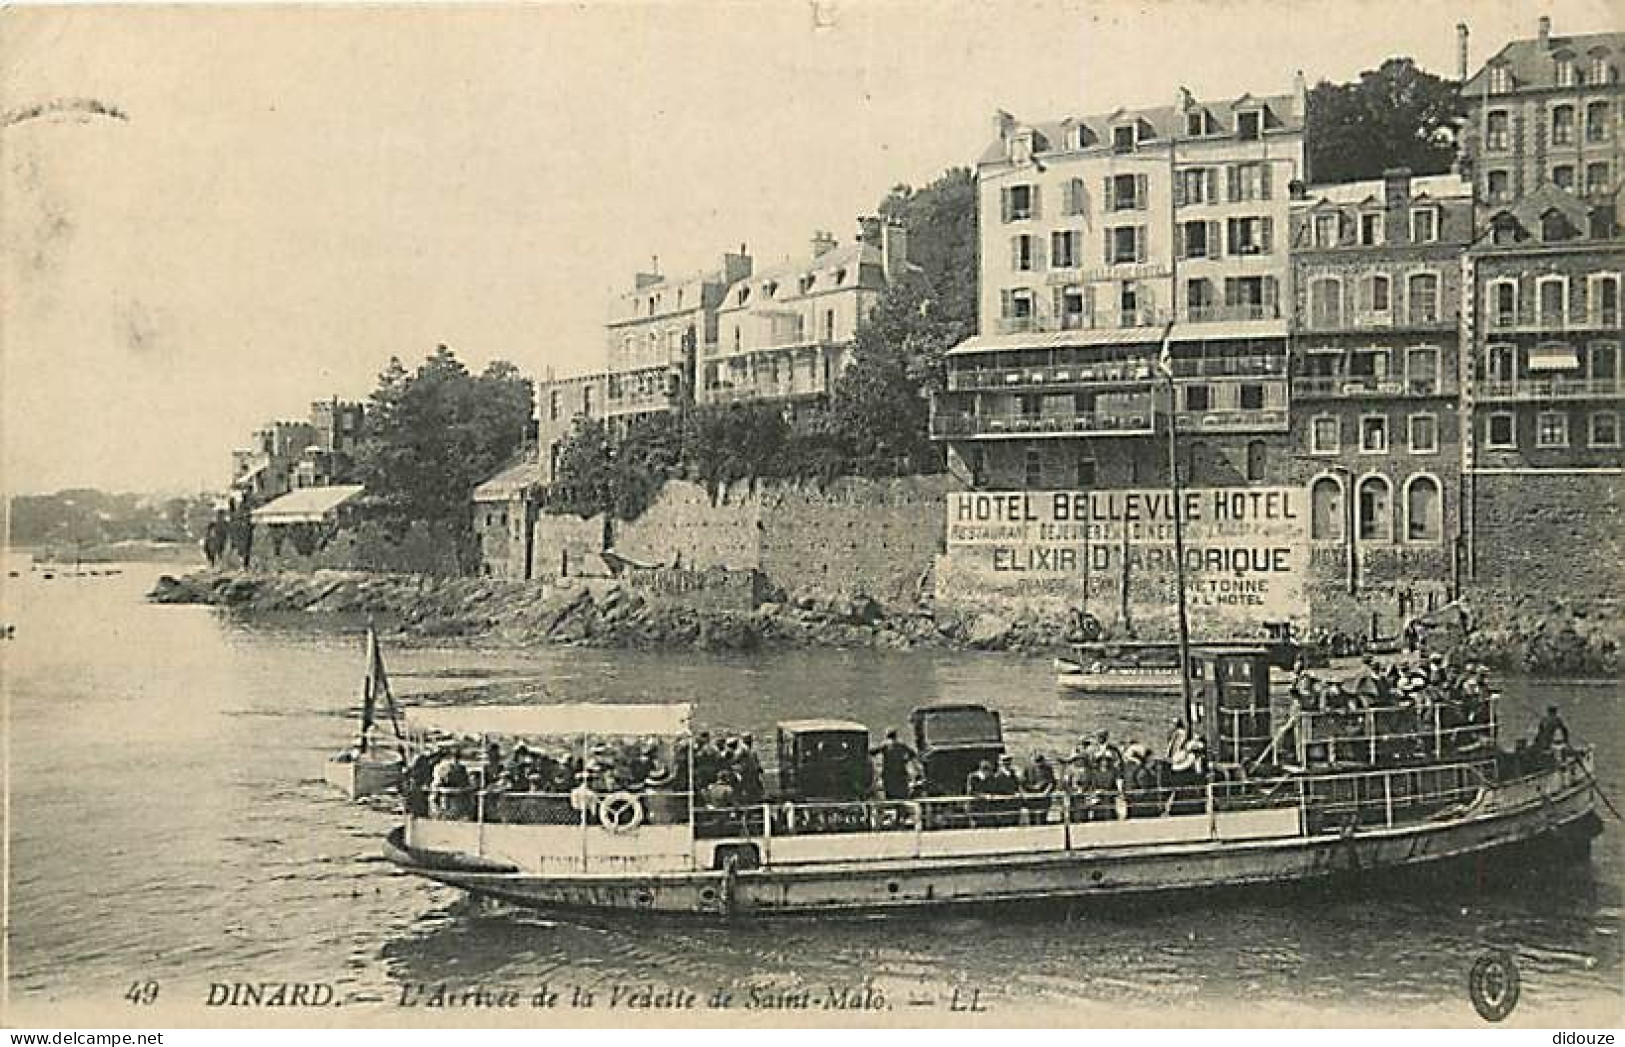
{"points": [[1165, 364]]}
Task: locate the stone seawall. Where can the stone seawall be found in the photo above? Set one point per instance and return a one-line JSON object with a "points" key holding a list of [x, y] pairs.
{"points": [[1525, 634]]}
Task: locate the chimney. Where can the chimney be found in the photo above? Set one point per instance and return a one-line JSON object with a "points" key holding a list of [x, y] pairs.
{"points": [[1184, 101], [894, 249], [1545, 32], [869, 227], [1396, 187], [1461, 51], [736, 267], [1300, 96], [1003, 124], [823, 242]]}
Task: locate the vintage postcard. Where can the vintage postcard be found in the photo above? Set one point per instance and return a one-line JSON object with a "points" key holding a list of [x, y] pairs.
{"points": [[813, 513]]}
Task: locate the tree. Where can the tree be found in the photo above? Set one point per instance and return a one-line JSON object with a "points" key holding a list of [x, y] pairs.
{"points": [[1395, 116], [434, 434]]}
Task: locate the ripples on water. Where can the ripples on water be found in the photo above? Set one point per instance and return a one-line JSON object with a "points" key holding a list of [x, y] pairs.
{"points": [[170, 822]]}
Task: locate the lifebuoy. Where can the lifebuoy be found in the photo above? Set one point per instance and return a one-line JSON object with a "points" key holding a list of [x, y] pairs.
{"points": [[620, 812]]}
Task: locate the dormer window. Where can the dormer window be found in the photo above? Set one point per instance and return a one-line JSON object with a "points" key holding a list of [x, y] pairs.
{"points": [[1565, 72], [1125, 139], [1249, 125], [1021, 147], [806, 283], [1198, 123], [770, 289], [1598, 72], [1500, 80], [840, 277], [744, 295]]}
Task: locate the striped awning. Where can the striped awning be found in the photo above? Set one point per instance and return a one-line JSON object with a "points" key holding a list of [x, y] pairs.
{"points": [[1554, 356]]}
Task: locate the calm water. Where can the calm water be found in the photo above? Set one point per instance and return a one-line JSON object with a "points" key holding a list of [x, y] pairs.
{"points": [[169, 822]]}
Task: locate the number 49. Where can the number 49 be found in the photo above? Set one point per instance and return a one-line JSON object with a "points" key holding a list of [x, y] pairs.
{"points": [[142, 993]]}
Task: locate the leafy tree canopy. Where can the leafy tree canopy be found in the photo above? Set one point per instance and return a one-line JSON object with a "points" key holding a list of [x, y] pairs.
{"points": [[1397, 115]]}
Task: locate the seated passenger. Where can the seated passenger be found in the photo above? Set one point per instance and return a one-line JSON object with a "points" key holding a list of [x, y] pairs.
{"points": [[1039, 778], [451, 787], [720, 793], [1005, 781], [1552, 736], [980, 782]]}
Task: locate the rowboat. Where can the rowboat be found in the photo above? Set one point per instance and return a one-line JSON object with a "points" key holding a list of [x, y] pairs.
{"points": [[1302, 797], [368, 767]]}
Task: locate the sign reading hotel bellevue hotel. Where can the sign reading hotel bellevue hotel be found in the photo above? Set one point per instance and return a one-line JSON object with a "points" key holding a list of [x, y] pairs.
{"points": [[1246, 551]]}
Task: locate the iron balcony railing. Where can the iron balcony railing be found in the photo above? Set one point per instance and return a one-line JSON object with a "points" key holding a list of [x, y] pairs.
{"points": [[1138, 372], [1081, 322], [1551, 389], [1331, 387], [1208, 314], [949, 424], [1554, 320]]}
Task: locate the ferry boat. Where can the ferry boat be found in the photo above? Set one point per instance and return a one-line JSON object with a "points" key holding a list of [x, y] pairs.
{"points": [[1356, 789], [1151, 667]]}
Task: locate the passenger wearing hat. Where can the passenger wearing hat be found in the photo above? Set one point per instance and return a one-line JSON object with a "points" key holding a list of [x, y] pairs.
{"points": [[1039, 777], [895, 759], [980, 781], [748, 769], [1005, 781], [1551, 733]]}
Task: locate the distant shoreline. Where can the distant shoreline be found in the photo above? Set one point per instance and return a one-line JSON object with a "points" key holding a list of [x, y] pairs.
{"points": [[134, 550]]}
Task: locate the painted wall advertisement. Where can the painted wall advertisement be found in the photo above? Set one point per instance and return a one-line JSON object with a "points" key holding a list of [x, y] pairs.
{"points": [[1246, 552]]}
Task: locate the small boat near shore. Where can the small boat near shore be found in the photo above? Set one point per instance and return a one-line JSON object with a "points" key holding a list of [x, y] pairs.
{"points": [[1310, 795], [368, 767]]}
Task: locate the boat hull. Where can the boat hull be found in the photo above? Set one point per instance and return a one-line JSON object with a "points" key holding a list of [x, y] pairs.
{"points": [[362, 776], [1553, 821]]}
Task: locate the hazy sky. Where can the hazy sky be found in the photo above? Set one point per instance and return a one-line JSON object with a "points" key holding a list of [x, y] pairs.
{"points": [[297, 194]]}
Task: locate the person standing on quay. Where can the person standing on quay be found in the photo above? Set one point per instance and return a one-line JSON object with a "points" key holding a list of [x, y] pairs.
{"points": [[895, 758]]}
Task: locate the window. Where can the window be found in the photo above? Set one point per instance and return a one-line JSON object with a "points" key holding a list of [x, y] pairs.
{"points": [[1250, 396], [1326, 302], [1423, 521], [1199, 298], [1250, 235], [1197, 185], [1563, 125], [1377, 293], [1504, 303], [1064, 249], [1371, 229], [1198, 397], [1498, 187], [1126, 192], [1374, 509], [1495, 130], [1249, 182], [829, 325], [1086, 472], [1326, 230], [1194, 460], [1550, 295], [1023, 253], [1195, 238], [1563, 176], [1070, 307], [1597, 179], [1018, 203], [1326, 509], [1034, 468], [1424, 225], [1565, 72], [1602, 363], [1597, 122], [1604, 299], [555, 405], [1125, 138], [1256, 454], [1422, 368], [1424, 434], [1500, 80], [1018, 304], [1077, 198], [1325, 435], [1196, 124], [1552, 429], [588, 400], [1124, 243], [1500, 433], [1598, 71], [1248, 125], [1128, 300], [1374, 434], [1423, 292], [1604, 429]]}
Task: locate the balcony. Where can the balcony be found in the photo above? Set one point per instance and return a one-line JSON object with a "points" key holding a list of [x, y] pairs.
{"points": [[1081, 322], [1270, 420], [1105, 373], [960, 424], [1212, 314], [1333, 387], [1554, 320], [1550, 389], [1255, 366]]}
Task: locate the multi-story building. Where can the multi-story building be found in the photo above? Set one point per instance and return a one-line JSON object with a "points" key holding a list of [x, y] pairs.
{"points": [[1099, 235], [657, 331], [560, 403], [1376, 297], [266, 469], [785, 335], [1541, 383], [339, 426]]}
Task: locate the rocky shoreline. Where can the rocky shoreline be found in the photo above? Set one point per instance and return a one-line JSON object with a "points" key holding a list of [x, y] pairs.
{"points": [[1549, 639]]}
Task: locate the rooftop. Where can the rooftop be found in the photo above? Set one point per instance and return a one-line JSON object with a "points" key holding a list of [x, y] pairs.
{"points": [[1533, 66]]}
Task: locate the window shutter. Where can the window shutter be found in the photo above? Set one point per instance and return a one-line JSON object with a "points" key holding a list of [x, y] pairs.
{"points": [[1106, 235], [1108, 196], [1215, 245], [1056, 301], [1264, 181], [1270, 296], [1004, 203], [1015, 253], [1179, 240], [1142, 188], [1089, 299], [1139, 243], [1212, 185], [1232, 291], [1365, 294], [1038, 254], [1234, 174], [1038, 200], [1179, 189], [1005, 303], [1230, 234], [1267, 234]]}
